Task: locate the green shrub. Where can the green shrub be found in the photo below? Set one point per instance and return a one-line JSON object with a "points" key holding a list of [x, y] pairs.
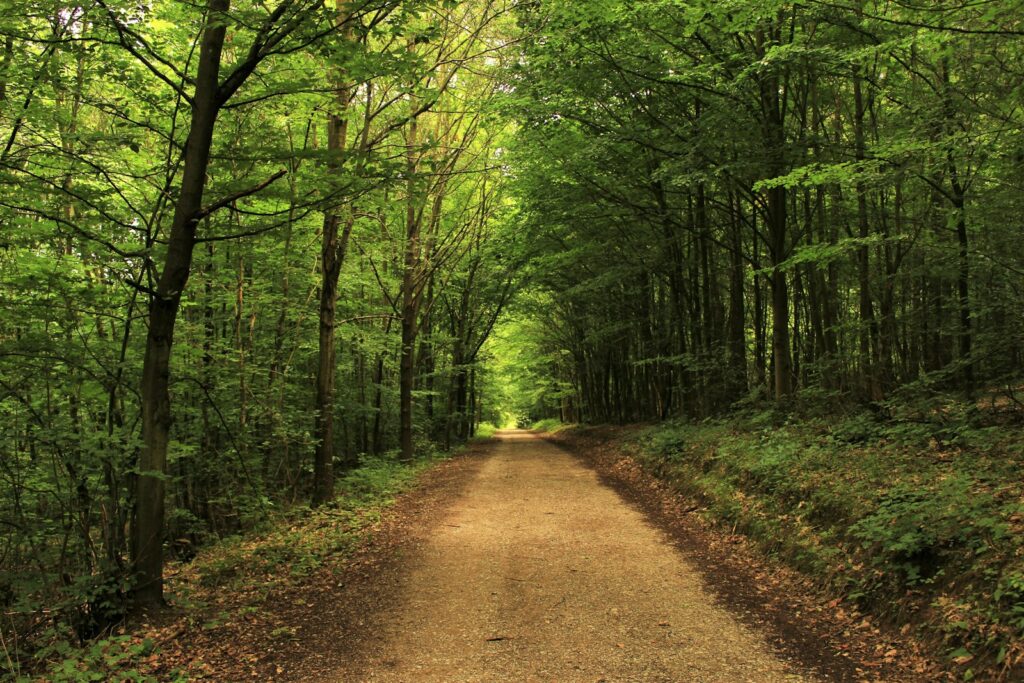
{"points": [[548, 425], [114, 658], [1009, 596], [912, 517], [485, 430]]}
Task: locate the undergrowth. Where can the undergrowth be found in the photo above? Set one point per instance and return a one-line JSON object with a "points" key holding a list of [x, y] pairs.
{"points": [[551, 425], [284, 551], [485, 430], [918, 520]]}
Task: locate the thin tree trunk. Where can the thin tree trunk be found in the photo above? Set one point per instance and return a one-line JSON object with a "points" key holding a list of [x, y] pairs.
{"points": [[868, 325], [736, 324], [772, 107], [332, 254], [410, 273]]}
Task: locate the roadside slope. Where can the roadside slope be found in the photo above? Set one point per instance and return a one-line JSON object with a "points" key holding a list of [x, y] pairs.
{"points": [[790, 608]]}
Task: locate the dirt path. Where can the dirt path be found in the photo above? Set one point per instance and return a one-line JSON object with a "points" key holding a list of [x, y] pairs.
{"points": [[538, 572]]}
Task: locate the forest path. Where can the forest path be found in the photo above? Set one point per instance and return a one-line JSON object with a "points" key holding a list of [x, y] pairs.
{"points": [[539, 572]]}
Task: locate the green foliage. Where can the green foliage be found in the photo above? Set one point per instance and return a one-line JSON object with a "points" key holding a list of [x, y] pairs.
{"points": [[921, 531], [525, 374], [116, 657], [1009, 598], [612, 211], [288, 548], [678, 165], [91, 163], [549, 425], [914, 529], [485, 430], [297, 543], [378, 480]]}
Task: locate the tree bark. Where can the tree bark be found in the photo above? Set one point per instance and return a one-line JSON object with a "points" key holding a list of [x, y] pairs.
{"points": [[868, 324], [147, 536], [958, 198], [332, 255], [773, 123], [407, 365]]}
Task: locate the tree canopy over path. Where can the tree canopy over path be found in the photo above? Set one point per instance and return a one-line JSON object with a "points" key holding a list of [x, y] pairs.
{"points": [[248, 248]]}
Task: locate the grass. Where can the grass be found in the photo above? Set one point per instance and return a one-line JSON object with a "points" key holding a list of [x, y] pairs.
{"points": [[915, 521]]}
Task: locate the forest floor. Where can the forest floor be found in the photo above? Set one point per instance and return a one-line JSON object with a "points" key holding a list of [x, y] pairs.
{"points": [[519, 561]]}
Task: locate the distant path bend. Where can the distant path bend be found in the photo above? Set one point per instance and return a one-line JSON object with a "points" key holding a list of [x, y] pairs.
{"points": [[538, 572]]}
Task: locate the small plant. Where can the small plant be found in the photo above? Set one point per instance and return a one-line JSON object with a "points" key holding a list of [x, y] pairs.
{"points": [[114, 658], [1009, 595]]}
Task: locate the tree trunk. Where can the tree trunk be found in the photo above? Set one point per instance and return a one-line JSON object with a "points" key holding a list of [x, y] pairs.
{"points": [[781, 358], [736, 324], [963, 286], [772, 106], [378, 403], [407, 365], [5, 65], [868, 325], [958, 199], [332, 254], [147, 536]]}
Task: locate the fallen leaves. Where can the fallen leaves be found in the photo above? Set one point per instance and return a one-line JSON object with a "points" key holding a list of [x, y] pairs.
{"points": [[248, 627]]}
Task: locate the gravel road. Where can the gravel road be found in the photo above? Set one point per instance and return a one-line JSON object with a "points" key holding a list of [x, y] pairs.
{"points": [[538, 572]]}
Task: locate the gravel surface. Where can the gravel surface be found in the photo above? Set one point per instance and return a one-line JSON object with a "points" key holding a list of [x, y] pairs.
{"points": [[538, 572]]}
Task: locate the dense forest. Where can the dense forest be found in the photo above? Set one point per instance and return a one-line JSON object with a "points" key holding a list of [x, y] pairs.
{"points": [[238, 240], [774, 199], [247, 246]]}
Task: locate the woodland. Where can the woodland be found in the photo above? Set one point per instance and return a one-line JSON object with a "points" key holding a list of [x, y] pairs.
{"points": [[250, 248]]}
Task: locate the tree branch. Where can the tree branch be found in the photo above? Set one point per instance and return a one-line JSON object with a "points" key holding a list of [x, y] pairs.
{"points": [[231, 198]]}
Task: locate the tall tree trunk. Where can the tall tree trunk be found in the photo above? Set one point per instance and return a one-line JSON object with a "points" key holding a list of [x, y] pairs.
{"points": [[332, 254], [781, 358], [410, 273], [427, 355], [378, 403], [868, 325], [963, 282], [736, 324], [825, 281], [5, 65], [760, 325], [147, 536], [958, 198], [773, 108]]}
